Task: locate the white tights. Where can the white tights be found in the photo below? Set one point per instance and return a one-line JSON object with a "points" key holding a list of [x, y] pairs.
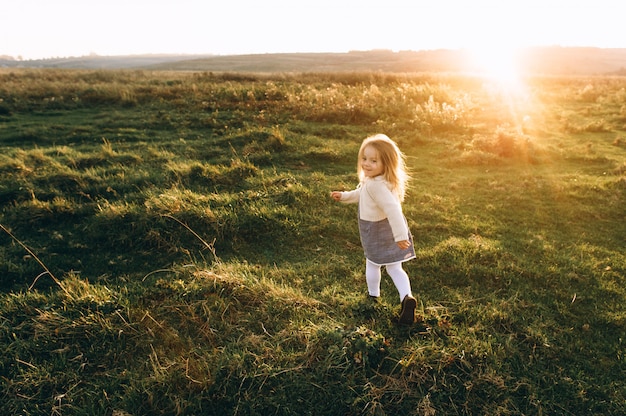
{"points": [[397, 273]]}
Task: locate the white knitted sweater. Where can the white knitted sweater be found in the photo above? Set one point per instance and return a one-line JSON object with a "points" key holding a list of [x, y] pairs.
{"points": [[377, 202]]}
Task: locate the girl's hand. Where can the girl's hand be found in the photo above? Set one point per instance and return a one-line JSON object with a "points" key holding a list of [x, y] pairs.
{"points": [[336, 195], [404, 244]]}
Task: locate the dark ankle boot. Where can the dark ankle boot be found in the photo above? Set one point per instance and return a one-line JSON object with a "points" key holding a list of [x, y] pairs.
{"points": [[407, 313]]}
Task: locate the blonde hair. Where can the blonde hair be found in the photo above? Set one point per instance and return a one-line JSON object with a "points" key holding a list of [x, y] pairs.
{"points": [[392, 159]]}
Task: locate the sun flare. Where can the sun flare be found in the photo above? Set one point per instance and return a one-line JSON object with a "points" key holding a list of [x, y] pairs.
{"points": [[498, 63]]}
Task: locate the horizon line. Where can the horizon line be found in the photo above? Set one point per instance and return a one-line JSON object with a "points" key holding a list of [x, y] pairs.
{"points": [[94, 54]]}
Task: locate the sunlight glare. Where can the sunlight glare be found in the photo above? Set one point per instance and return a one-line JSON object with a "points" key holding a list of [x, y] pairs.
{"points": [[498, 63]]}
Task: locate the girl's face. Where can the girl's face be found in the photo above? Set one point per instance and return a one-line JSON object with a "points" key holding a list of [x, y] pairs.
{"points": [[371, 164]]}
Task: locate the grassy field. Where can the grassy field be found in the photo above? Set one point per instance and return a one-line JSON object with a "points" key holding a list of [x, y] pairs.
{"points": [[168, 245]]}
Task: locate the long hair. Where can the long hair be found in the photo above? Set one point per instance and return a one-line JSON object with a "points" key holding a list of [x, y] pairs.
{"points": [[394, 166]]}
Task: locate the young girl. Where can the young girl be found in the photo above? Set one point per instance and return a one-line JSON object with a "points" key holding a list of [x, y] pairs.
{"points": [[385, 235]]}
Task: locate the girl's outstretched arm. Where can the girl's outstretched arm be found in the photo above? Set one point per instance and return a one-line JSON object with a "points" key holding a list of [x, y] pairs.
{"points": [[336, 195], [346, 197]]}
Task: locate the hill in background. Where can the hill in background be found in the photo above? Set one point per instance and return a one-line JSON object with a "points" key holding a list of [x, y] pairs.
{"points": [[544, 60], [97, 62]]}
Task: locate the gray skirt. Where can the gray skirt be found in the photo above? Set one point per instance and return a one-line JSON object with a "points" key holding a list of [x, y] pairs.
{"points": [[379, 245]]}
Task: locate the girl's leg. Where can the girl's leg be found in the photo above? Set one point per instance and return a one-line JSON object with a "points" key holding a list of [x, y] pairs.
{"points": [[372, 276], [400, 279], [403, 284]]}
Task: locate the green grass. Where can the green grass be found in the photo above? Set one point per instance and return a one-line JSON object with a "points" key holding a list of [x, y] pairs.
{"points": [[169, 245]]}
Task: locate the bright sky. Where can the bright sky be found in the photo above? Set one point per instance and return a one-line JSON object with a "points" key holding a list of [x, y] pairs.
{"points": [[57, 28]]}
